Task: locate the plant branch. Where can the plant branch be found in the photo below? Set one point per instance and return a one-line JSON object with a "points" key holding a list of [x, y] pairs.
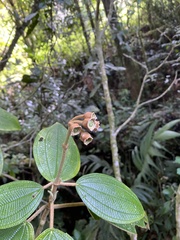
{"points": [[67, 205], [148, 72], [162, 94], [65, 147], [42, 221], [69, 184], [9, 176], [37, 213]]}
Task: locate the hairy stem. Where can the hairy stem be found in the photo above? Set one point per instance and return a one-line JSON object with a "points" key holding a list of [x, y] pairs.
{"points": [[65, 147]]}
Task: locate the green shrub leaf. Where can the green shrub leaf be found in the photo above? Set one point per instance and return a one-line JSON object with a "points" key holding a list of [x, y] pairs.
{"points": [[24, 231], [109, 199], [177, 159], [8, 122], [48, 153], [18, 200], [52, 234], [130, 228], [1, 161], [166, 127], [166, 135]]}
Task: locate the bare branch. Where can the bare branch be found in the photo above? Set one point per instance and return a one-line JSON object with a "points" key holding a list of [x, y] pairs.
{"points": [[136, 61], [138, 104], [162, 95]]}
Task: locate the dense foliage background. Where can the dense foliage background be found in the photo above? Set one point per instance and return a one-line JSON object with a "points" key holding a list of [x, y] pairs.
{"points": [[50, 72]]}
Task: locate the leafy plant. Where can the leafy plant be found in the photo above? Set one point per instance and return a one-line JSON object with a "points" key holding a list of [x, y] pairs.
{"points": [[156, 181], [151, 147], [58, 161], [8, 122]]}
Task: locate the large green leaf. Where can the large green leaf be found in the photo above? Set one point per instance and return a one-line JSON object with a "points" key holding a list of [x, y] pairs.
{"points": [[166, 127], [53, 234], [166, 135], [23, 231], [48, 153], [18, 200], [109, 199], [8, 122], [147, 140], [1, 161]]}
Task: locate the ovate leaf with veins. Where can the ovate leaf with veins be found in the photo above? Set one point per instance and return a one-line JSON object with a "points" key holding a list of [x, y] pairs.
{"points": [[23, 231], [48, 150], [109, 199], [53, 234], [1, 161], [8, 122], [18, 200]]}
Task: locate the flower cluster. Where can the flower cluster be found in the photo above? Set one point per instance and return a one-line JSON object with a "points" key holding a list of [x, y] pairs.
{"points": [[81, 123]]}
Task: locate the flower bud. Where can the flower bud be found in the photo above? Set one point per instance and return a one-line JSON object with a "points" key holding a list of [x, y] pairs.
{"points": [[86, 138]]}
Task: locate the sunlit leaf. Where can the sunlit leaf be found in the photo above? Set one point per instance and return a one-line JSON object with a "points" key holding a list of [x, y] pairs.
{"points": [[48, 153], [18, 200], [52, 234], [109, 199], [8, 122], [23, 231]]}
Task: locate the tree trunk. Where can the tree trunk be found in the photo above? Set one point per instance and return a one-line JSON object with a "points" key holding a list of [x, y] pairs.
{"points": [[87, 4], [109, 107], [83, 25], [133, 82], [18, 33]]}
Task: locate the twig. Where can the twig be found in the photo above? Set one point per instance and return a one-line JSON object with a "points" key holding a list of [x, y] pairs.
{"points": [[9, 176], [139, 105], [136, 61], [148, 72], [42, 221], [160, 96], [67, 205], [135, 110], [37, 213]]}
